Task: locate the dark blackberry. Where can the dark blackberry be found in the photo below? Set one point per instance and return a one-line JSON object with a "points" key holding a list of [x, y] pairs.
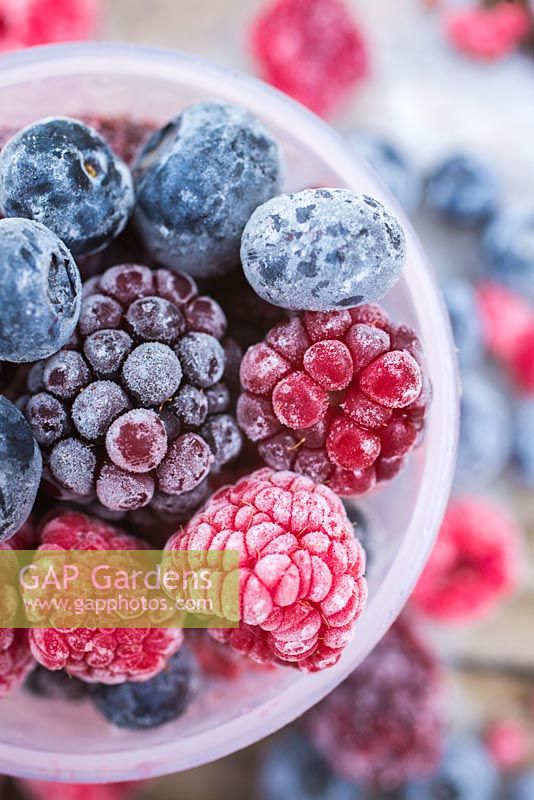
{"points": [[58, 685], [135, 408]]}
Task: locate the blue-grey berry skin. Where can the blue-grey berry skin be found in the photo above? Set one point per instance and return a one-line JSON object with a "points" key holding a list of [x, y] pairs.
{"points": [[322, 250], [486, 431], [140, 706], [40, 291], [20, 469], [61, 172], [524, 440], [508, 250], [198, 180], [463, 189], [466, 773], [520, 787], [461, 300], [292, 770], [391, 166]]}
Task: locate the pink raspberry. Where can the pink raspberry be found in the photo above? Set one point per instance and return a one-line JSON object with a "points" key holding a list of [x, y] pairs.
{"points": [[488, 33], [312, 50], [99, 655], [44, 790], [521, 363], [301, 574], [475, 563], [383, 726], [339, 396], [16, 660], [508, 743], [24, 23], [505, 316]]}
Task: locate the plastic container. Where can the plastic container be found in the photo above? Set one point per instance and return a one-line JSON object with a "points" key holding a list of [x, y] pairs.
{"points": [[59, 741]]}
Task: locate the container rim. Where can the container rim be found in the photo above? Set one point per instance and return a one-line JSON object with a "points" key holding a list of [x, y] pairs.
{"points": [[144, 762]]}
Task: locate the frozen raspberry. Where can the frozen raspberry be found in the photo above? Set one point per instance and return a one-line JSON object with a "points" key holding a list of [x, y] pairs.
{"points": [[338, 396], [311, 49], [383, 726], [521, 363], [475, 563], [508, 743], [488, 33], [141, 388], [44, 790], [16, 660], [302, 582], [25, 23], [505, 316], [99, 655]]}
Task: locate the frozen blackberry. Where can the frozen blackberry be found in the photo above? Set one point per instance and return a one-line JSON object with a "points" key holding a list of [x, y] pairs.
{"points": [[138, 706], [135, 409]]}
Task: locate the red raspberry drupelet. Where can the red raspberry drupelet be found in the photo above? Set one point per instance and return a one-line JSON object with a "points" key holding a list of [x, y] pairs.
{"points": [[339, 396], [474, 565], [30, 22], [383, 726], [100, 655], [310, 49], [301, 573]]}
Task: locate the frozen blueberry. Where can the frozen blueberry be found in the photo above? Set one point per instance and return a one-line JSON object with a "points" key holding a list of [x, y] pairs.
{"points": [[521, 787], [508, 250], [198, 180], [291, 770], [20, 469], [61, 172], [322, 250], [461, 300], [391, 166], [524, 439], [463, 189], [139, 706], [485, 445], [40, 291], [466, 773], [57, 685]]}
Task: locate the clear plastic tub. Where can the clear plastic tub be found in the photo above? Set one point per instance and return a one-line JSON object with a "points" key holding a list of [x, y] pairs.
{"points": [[53, 740]]}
